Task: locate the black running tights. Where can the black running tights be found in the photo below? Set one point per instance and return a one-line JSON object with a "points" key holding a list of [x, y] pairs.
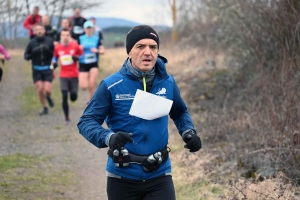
{"points": [[65, 105]]}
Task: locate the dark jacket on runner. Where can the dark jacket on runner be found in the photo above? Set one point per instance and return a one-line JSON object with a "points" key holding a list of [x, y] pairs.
{"points": [[77, 24], [40, 51], [50, 32]]}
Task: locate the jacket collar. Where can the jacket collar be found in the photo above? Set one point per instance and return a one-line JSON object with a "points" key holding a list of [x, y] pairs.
{"points": [[160, 68]]}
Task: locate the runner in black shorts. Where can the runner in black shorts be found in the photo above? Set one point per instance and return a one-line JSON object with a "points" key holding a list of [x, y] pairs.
{"points": [[40, 52], [92, 47], [42, 75]]}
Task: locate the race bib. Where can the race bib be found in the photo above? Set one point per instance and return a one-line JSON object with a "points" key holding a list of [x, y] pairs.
{"points": [[78, 30], [90, 58], [66, 60]]}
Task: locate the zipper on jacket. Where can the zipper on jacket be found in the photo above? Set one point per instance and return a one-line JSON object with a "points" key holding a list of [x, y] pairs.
{"points": [[42, 56], [144, 84]]}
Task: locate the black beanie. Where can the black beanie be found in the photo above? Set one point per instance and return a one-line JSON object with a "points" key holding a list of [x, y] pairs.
{"points": [[138, 33]]}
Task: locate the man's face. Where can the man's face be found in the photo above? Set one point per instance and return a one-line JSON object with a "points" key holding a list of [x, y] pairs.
{"points": [[45, 20], [65, 37], [144, 55], [35, 11], [39, 31], [77, 11], [65, 23]]}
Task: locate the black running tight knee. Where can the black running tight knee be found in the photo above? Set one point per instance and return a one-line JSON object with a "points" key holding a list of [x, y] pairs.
{"points": [[73, 96]]}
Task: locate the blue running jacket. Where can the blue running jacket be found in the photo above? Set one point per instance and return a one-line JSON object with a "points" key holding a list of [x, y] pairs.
{"points": [[112, 101]]}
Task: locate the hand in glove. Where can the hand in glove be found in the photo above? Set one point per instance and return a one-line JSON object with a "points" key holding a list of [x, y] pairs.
{"points": [[54, 65], [75, 58], [119, 139], [192, 140]]}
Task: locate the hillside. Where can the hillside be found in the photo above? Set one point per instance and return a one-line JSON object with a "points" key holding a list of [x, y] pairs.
{"points": [[102, 22]]}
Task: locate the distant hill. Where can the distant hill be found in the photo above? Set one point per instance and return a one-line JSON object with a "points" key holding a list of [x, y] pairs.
{"points": [[108, 23], [117, 29]]}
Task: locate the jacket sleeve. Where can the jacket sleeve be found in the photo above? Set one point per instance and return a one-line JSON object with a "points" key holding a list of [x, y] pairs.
{"points": [[90, 123], [55, 55], [27, 53], [27, 24], [179, 112]]}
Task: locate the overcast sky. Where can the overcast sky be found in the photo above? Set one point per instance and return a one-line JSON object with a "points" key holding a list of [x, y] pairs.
{"points": [[152, 12]]}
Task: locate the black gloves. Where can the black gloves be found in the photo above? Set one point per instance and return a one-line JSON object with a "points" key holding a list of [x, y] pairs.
{"points": [[192, 140], [75, 58], [119, 139], [54, 65]]}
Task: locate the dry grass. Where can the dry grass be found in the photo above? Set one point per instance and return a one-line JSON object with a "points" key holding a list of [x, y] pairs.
{"points": [[275, 188], [112, 60]]}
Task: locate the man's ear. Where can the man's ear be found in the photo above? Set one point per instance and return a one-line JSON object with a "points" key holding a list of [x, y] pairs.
{"points": [[129, 55]]}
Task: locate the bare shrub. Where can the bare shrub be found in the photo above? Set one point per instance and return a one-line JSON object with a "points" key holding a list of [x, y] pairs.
{"points": [[251, 109]]}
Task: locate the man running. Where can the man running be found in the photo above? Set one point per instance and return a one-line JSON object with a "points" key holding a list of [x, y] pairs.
{"points": [[77, 22], [40, 52], [67, 52], [92, 47], [65, 24], [32, 20], [50, 30]]}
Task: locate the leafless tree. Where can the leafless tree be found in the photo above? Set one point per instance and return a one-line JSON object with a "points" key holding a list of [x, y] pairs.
{"points": [[258, 96], [10, 17], [173, 6], [57, 8], [13, 12]]}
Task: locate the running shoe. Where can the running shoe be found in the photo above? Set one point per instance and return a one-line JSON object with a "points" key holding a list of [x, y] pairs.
{"points": [[67, 121], [44, 111], [50, 101]]}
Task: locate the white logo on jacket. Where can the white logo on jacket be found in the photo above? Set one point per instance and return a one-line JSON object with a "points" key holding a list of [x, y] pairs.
{"points": [[161, 91], [124, 97]]}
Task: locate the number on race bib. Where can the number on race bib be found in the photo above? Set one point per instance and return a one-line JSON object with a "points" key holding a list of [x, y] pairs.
{"points": [[90, 58], [66, 60], [78, 30]]}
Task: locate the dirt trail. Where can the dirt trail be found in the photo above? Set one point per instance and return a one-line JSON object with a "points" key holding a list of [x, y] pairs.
{"points": [[28, 133]]}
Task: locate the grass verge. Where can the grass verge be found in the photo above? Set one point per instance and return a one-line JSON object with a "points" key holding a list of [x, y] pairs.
{"points": [[200, 190], [31, 177]]}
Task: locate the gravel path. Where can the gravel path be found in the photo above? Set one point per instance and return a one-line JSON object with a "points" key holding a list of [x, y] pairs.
{"points": [[21, 132]]}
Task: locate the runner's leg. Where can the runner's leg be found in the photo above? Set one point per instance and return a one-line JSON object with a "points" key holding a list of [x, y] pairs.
{"points": [[40, 90], [160, 188], [123, 189], [48, 86], [93, 75], [74, 89], [83, 81], [1, 72], [64, 90]]}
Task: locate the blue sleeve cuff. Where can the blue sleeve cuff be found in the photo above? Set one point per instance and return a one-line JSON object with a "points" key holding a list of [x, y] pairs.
{"points": [[54, 60], [108, 137]]}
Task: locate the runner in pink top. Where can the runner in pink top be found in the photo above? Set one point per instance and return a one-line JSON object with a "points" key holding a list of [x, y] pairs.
{"points": [[3, 56]]}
